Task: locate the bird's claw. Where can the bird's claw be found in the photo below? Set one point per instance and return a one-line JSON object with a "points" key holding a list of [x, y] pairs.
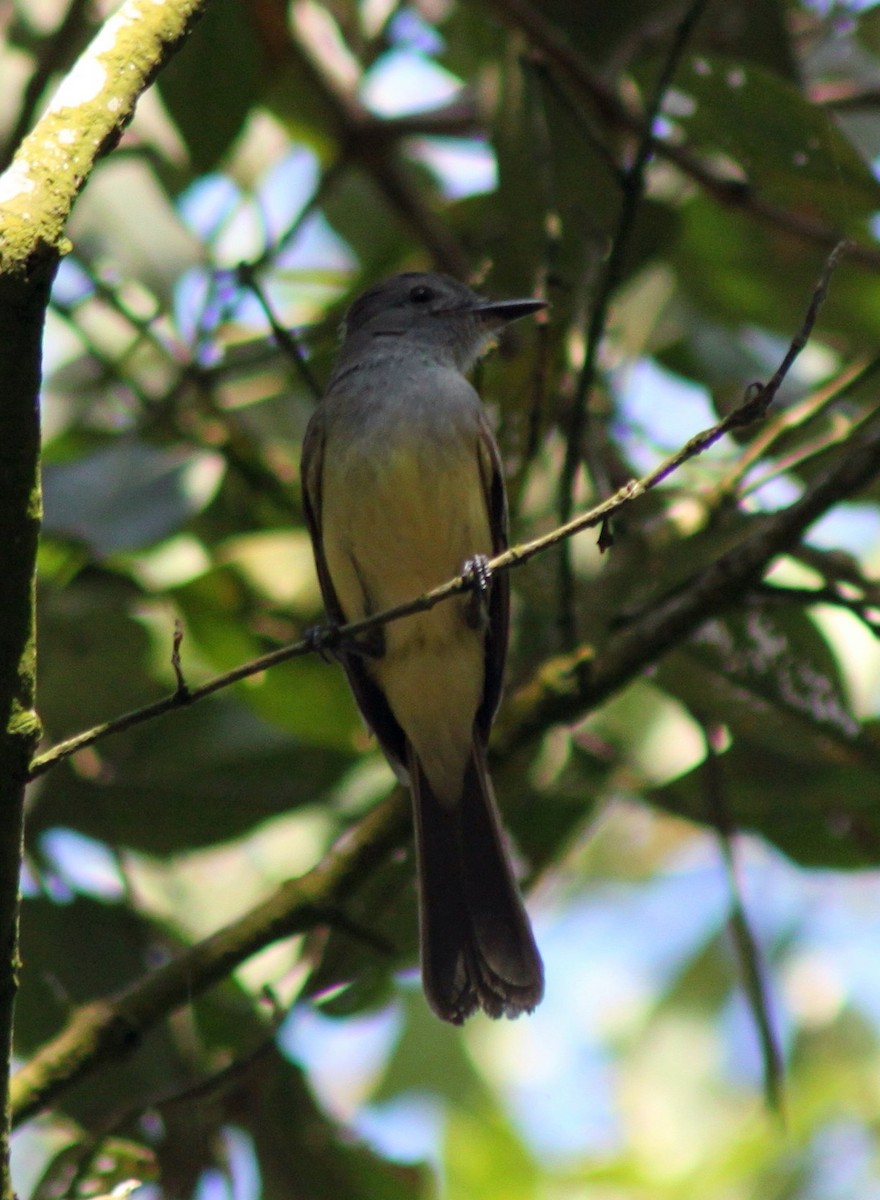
{"points": [[477, 572], [334, 647], [323, 640]]}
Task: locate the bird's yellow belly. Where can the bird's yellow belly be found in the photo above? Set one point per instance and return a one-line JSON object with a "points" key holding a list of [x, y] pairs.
{"points": [[395, 527]]}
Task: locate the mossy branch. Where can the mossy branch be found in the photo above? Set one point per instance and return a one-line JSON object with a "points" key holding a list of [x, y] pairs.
{"points": [[37, 192]]}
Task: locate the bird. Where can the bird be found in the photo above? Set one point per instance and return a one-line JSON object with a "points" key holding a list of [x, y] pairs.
{"points": [[403, 490]]}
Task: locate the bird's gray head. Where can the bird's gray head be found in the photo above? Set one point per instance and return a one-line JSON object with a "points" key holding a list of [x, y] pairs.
{"points": [[430, 313]]}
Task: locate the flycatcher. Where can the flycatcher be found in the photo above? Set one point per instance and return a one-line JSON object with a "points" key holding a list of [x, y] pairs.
{"points": [[403, 490]]}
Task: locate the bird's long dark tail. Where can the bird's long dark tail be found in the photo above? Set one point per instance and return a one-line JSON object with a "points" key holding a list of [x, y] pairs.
{"points": [[477, 945]]}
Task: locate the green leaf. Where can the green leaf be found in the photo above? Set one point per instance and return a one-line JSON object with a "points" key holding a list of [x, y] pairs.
{"points": [[128, 495], [868, 29], [819, 814], [113, 1167], [210, 87], [736, 269], [380, 937], [304, 1156], [78, 952], [789, 150], [800, 770], [753, 30], [429, 1058], [768, 675], [95, 658], [73, 952], [485, 1157], [194, 777]]}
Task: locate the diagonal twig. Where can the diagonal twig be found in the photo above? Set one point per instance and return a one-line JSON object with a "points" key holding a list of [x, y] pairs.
{"points": [[578, 444], [748, 954], [329, 637], [108, 1029]]}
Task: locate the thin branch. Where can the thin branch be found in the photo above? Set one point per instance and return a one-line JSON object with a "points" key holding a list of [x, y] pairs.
{"points": [[335, 638], [542, 158], [247, 278], [457, 118], [366, 141], [863, 608], [807, 451], [842, 95], [748, 954], [578, 443], [817, 300], [577, 683], [67, 1171], [176, 401], [273, 247], [839, 569], [793, 418], [633, 185], [107, 1030], [562, 692], [111, 371], [84, 120]]}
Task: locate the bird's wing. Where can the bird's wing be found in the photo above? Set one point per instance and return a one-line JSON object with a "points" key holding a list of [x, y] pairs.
{"points": [[370, 698], [499, 601]]}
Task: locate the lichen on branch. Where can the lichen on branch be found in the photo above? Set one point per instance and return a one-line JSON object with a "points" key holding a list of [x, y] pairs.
{"points": [[83, 121]]}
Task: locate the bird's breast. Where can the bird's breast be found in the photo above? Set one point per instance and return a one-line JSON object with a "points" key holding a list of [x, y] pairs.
{"points": [[403, 498]]}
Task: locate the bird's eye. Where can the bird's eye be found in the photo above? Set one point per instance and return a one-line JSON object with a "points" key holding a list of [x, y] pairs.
{"points": [[421, 294]]}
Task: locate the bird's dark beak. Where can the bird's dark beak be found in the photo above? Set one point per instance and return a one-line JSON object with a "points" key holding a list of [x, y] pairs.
{"points": [[505, 311]]}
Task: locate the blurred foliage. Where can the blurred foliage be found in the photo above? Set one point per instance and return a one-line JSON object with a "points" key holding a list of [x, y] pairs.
{"points": [[324, 145]]}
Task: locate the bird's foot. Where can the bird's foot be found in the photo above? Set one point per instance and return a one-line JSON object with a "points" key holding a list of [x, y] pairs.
{"points": [[479, 575], [332, 646]]}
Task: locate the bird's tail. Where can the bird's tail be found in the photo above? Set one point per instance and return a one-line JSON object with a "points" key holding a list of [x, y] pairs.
{"points": [[477, 946]]}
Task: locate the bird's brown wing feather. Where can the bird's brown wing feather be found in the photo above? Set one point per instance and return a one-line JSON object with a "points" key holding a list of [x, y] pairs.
{"points": [[370, 698], [499, 600]]}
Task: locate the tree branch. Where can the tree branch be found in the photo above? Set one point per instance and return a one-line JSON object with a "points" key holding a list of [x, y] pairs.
{"points": [[84, 121], [332, 637], [52, 56], [579, 447], [576, 684], [372, 144], [37, 192], [752, 969], [563, 692], [793, 417], [633, 184], [21, 321], [109, 1029]]}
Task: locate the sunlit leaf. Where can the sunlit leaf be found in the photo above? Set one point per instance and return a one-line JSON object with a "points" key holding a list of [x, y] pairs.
{"points": [[203, 775], [209, 105], [128, 495], [788, 149]]}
